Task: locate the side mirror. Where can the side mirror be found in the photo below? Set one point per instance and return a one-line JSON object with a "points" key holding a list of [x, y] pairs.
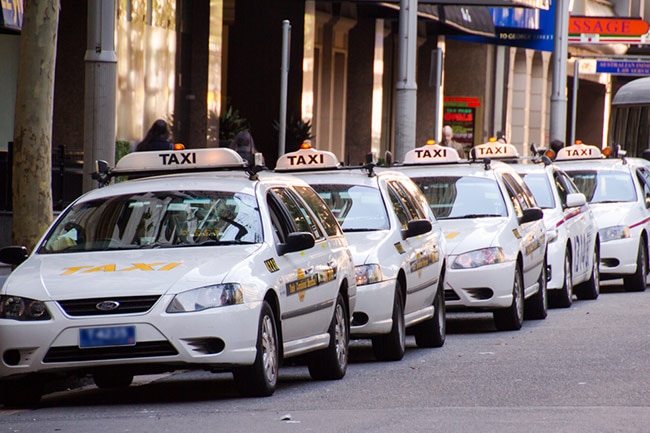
{"points": [[13, 255], [296, 242], [532, 214], [416, 227], [575, 199]]}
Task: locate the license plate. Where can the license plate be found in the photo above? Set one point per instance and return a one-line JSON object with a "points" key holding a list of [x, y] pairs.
{"points": [[107, 336]]}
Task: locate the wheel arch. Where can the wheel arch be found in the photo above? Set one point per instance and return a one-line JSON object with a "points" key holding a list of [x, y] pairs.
{"points": [[272, 299]]}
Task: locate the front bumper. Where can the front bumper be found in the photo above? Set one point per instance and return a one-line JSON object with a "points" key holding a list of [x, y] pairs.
{"points": [[484, 288], [374, 309]]}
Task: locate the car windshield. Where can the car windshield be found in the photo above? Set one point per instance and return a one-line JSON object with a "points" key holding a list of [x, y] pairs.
{"points": [[156, 220], [357, 208], [541, 189], [604, 186], [462, 196]]}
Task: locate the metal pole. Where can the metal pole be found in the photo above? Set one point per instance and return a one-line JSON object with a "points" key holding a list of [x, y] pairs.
{"points": [[406, 87], [101, 88], [284, 79], [574, 106], [560, 54]]}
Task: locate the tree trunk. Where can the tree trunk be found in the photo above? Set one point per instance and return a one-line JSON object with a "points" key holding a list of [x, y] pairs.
{"points": [[32, 155]]}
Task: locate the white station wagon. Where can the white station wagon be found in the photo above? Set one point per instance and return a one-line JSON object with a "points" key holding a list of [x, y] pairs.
{"points": [[208, 266]]}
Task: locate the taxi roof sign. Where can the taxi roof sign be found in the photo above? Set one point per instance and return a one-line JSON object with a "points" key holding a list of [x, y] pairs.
{"points": [[174, 160], [495, 150], [307, 158], [579, 151], [431, 153]]}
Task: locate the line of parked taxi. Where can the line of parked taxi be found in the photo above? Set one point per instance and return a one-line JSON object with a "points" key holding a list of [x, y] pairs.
{"points": [[202, 262]]}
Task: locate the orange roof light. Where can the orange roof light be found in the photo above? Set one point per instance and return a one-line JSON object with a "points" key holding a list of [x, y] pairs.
{"points": [[608, 151], [550, 154], [492, 140], [178, 146], [431, 142], [306, 144], [578, 142]]}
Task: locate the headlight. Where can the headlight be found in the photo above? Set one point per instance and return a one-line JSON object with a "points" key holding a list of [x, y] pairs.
{"points": [[17, 308], [203, 298], [368, 274], [551, 235], [613, 233], [476, 258]]}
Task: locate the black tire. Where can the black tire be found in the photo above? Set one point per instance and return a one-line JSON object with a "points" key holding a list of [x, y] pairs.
{"points": [[391, 346], [332, 363], [261, 378], [112, 379], [637, 282], [564, 298], [511, 318], [432, 332], [590, 289], [22, 393], [536, 307]]}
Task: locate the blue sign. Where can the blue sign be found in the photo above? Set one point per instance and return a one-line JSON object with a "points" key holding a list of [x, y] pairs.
{"points": [[12, 14], [519, 27], [623, 67]]}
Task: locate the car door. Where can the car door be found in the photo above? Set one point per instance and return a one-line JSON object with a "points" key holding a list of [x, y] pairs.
{"points": [[309, 289], [423, 267], [578, 227], [532, 235]]}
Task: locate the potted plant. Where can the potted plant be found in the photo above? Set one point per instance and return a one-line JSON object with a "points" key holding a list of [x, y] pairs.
{"points": [[230, 124]]}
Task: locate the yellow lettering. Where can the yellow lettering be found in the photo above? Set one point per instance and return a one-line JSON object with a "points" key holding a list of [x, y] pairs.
{"points": [[69, 271], [104, 268], [170, 266], [142, 266]]}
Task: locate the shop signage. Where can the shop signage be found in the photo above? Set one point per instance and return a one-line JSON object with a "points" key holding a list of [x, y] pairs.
{"points": [[459, 112], [12, 14], [607, 26]]}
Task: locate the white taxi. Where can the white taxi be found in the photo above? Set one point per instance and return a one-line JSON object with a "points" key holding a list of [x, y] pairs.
{"points": [[572, 233], [618, 192], [496, 237], [397, 246], [215, 267]]}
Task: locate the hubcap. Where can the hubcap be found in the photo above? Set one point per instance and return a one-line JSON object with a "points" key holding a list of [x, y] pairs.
{"points": [[269, 351], [340, 335]]}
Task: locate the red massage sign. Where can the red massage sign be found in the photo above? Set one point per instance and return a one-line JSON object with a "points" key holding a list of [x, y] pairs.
{"points": [[607, 26]]}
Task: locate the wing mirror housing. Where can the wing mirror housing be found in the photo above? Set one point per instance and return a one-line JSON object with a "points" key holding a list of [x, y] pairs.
{"points": [[297, 241], [416, 228], [531, 214]]}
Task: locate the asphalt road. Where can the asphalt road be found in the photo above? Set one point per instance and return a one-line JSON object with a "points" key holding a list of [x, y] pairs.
{"points": [[583, 369]]}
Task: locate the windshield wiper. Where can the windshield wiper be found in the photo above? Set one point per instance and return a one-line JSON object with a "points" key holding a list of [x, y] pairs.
{"points": [[477, 215]]}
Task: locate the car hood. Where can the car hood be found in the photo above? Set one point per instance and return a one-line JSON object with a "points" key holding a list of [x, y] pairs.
{"points": [[124, 273], [364, 246], [614, 214], [471, 234]]}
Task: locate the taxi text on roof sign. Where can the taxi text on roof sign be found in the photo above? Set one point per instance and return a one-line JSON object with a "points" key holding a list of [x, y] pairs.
{"points": [[495, 150], [194, 159], [578, 151], [431, 153], [307, 159]]}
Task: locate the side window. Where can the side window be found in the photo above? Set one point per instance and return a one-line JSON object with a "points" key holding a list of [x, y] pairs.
{"points": [[418, 198], [562, 187], [523, 193], [299, 214], [413, 209], [320, 208], [644, 179], [398, 207], [513, 197]]}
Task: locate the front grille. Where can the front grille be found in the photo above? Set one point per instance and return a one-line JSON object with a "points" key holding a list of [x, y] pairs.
{"points": [[450, 295], [147, 349], [127, 305]]}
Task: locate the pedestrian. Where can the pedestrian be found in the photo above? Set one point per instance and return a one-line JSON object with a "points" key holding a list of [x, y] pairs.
{"points": [[556, 145], [157, 137], [244, 145], [501, 137], [448, 141]]}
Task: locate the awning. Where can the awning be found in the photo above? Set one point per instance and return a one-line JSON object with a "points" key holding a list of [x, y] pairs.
{"points": [[455, 20], [535, 4]]}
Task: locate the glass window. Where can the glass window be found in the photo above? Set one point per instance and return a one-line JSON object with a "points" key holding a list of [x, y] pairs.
{"points": [[541, 188], [462, 196], [156, 219], [320, 208], [356, 207], [302, 218], [604, 186]]}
